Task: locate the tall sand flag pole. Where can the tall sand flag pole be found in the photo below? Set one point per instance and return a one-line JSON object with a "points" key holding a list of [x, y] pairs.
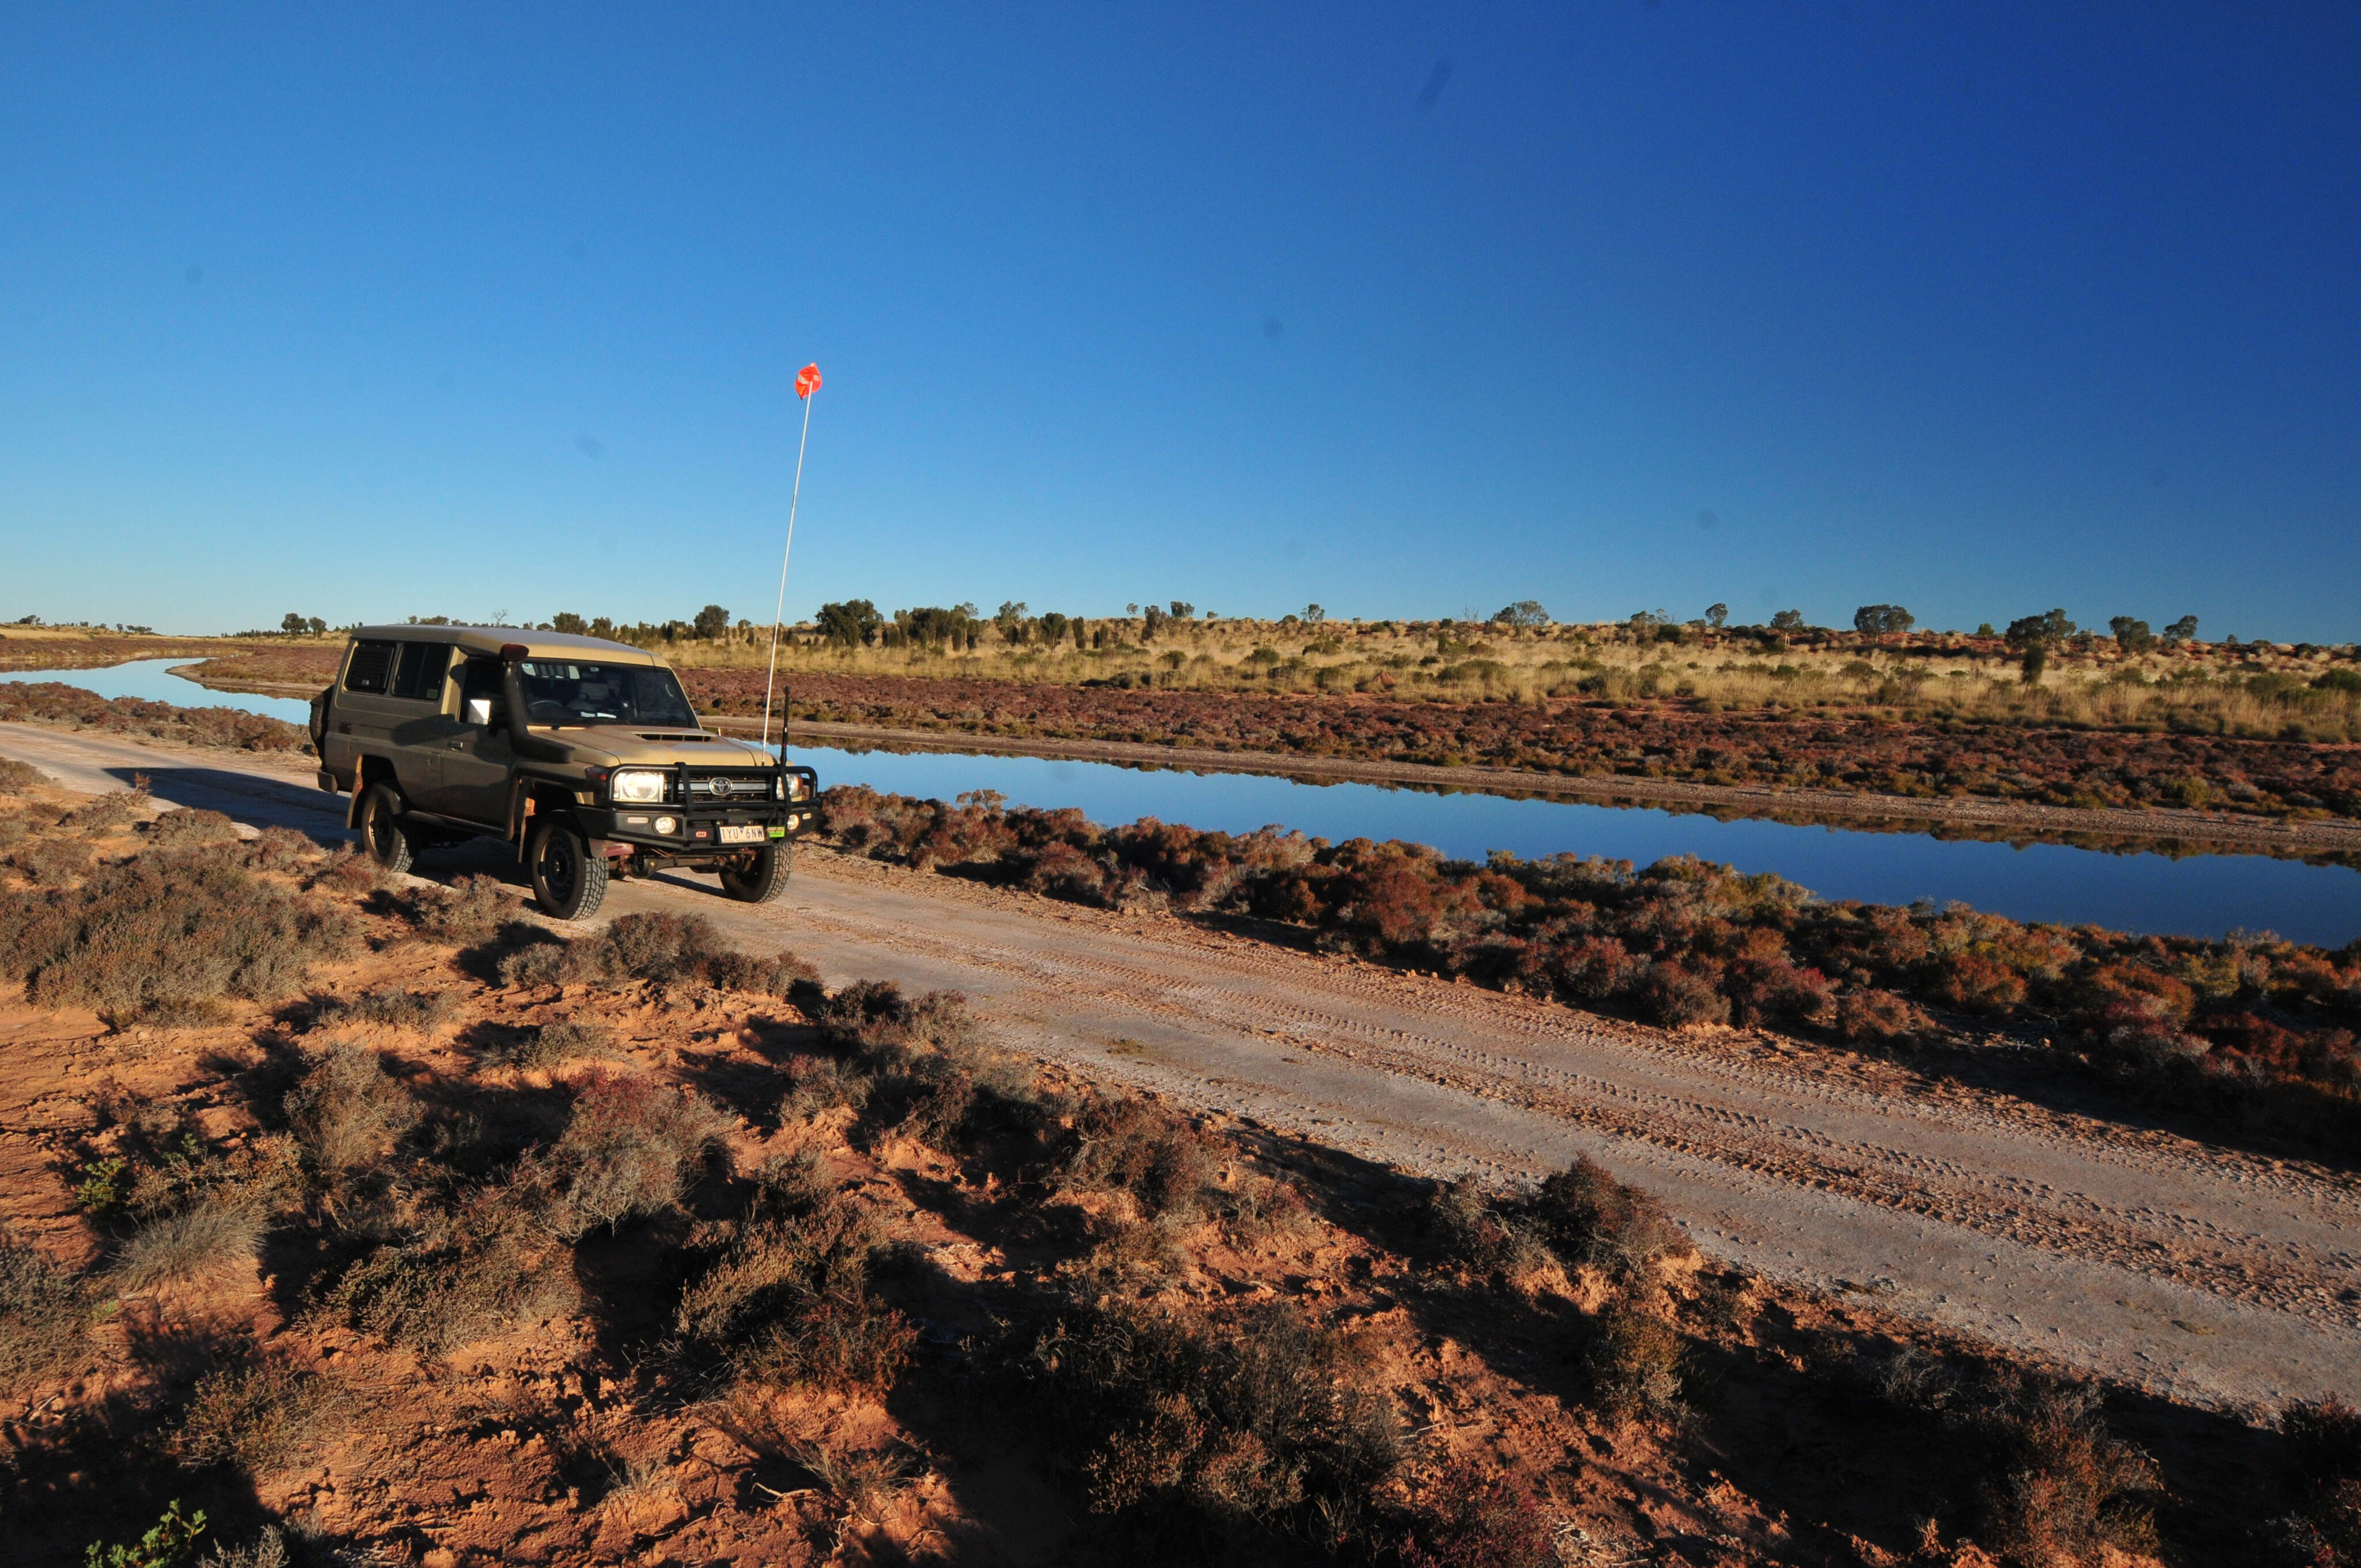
{"points": [[806, 383]]}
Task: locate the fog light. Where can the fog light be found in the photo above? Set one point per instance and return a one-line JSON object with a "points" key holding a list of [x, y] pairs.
{"points": [[667, 824], [637, 821]]}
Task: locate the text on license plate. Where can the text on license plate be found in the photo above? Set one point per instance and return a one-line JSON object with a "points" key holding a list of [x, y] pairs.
{"points": [[750, 833]]}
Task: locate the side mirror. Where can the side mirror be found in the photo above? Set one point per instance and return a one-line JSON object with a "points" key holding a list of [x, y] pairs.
{"points": [[480, 712]]}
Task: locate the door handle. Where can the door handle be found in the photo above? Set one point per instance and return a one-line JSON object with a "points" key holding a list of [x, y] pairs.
{"points": [[458, 745]]}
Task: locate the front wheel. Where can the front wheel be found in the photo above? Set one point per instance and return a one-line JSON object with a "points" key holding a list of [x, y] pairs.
{"points": [[389, 841], [568, 881], [759, 877]]}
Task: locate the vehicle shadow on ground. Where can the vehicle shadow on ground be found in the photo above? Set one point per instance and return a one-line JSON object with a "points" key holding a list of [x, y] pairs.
{"points": [[264, 802]]}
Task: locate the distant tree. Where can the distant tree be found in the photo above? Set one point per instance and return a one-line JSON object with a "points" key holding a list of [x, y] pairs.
{"points": [[1010, 619], [1882, 619], [1985, 629], [1131, 609], [603, 628], [1155, 622], [1787, 621], [1717, 616], [1313, 613], [1524, 612], [2182, 630], [2027, 630], [2036, 659], [2130, 636], [1183, 610], [1053, 627], [565, 620], [851, 624], [930, 626], [293, 624], [1644, 621], [711, 623]]}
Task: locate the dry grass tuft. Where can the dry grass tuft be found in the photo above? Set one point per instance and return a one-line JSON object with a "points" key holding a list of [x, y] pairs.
{"points": [[348, 1112], [217, 1230], [42, 1315], [17, 777]]}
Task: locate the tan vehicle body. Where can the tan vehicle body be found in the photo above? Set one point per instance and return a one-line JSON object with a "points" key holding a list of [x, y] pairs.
{"points": [[421, 728]]}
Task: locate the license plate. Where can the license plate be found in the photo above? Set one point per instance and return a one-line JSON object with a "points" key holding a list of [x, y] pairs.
{"points": [[752, 833]]}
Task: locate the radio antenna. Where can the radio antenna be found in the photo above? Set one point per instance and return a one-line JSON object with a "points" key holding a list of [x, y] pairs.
{"points": [[806, 383]]}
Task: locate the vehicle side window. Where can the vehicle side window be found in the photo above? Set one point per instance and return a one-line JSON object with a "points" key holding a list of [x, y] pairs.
{"points": [[419, 675], [372, 663]]}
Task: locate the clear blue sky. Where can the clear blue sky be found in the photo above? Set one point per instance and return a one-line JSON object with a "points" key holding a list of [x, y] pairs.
{"points": [[367, 312]]}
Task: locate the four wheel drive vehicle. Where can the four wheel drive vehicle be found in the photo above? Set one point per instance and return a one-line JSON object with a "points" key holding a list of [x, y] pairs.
{"points": [[582, 753]]}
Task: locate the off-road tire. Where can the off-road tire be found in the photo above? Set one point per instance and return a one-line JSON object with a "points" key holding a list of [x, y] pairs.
{"points": [[766, 880], [390, 842], [569, 882]]}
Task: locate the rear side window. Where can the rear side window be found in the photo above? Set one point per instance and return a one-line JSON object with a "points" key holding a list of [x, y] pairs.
{"points": [[372, 665], [417, 674]]}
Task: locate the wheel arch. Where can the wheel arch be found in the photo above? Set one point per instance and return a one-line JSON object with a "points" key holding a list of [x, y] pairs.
{"points": [[366, 772]]}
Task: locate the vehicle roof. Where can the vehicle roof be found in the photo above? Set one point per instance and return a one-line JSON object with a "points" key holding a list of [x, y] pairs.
{"points": [[492, 639]]}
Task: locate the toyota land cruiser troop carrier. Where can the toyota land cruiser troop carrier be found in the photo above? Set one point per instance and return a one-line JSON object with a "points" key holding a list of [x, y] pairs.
{"points": [[584, 754]]}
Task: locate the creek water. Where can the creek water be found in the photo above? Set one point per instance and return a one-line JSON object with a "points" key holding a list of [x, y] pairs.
{"points": [[2207, 894]]}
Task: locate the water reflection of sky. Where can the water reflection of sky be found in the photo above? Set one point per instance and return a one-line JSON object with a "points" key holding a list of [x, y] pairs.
{"points": [[2198, 895]]}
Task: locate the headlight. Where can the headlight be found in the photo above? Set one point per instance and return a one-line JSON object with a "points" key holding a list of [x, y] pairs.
{"points": [[639, 786]]}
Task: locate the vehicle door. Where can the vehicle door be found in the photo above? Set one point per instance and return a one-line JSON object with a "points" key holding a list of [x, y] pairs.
{"points": [[478, 757], [415, 703], [369, 720]]}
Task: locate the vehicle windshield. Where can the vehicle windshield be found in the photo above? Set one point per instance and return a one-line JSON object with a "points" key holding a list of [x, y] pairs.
{"points": [[563, 692]]}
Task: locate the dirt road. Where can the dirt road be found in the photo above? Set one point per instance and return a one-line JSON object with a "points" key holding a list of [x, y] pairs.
{"points": [[2211, 1273]]}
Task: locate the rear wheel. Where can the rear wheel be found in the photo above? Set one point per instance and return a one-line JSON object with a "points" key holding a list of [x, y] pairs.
{"points": [[389, 841], [759, 877], [568, 881]]}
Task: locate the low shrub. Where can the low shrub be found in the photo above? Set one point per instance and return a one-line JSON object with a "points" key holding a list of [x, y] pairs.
{"points": [[1217, 1427], [630, 1150], [786, 1302], [257, 1418], [42, 1315], [1469, 1518], [169, 1542], [467, 912], [458, 1275], [17, 777], [394, 1007], [569, 1040], [52, 862], [149, 935], [104, 811], [348, 1112], [1140, 1148], [189, 826], [663, 950], [2067, 1487], [1590, 1217], [1475, 1232], [925, 1066], [1636, 1362]]}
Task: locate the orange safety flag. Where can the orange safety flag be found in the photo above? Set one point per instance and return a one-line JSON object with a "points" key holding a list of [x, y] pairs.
{"points": [[808, 380]]}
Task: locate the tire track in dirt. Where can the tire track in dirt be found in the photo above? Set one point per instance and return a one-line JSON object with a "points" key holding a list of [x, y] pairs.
{"points": [[2190, 1248]]}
